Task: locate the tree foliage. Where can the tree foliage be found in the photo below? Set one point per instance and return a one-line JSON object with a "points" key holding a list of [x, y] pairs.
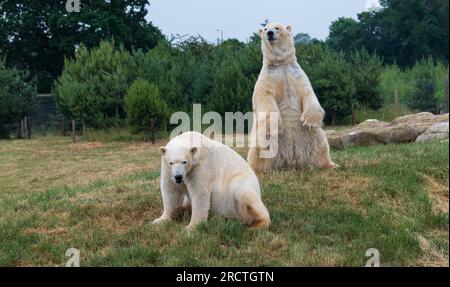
{"points": [[403, 32], [420, 87], [143, 104], [331, 78], [365, 70], [39, 35], [423, 96], [17, 96], [221, 77], [93, 85], [345, 34]]}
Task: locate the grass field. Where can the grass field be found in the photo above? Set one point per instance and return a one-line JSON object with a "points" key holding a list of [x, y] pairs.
{"points": [[102, 197]]}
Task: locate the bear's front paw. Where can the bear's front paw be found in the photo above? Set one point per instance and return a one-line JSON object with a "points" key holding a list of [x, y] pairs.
{"points": [[312, 120], [160, 220]]}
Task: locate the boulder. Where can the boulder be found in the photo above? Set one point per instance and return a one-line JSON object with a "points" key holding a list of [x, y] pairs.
{"points": [[372, 132], [371, 123], [436, 132], [419, 118]]}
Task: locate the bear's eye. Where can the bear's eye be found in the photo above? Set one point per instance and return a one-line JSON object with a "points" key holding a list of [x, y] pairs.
{"points": [[265, 29], [170, 163], [184, 162], [277, 28]]}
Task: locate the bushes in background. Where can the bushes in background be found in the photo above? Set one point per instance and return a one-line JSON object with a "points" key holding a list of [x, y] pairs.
{"points": [[93, 85], [330, 75], [420, 88], [365, 70], [17, 96], [143, 104], [426, 79], [222, 77], [341, 80]]}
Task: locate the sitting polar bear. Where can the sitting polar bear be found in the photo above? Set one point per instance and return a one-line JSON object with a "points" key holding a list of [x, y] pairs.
{"points": [[284, 89], [209, 177]]}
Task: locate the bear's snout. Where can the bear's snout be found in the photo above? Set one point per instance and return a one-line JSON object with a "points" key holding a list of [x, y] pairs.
{"points": [[271, 35], [178, 178]]}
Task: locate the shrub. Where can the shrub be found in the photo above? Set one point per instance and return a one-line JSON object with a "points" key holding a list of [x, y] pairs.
{"points": [[231, 90], [420, 88], [394, 80], [366, 70], [93, 85], [331, 79], [142, 104], [17, 97], [423, 97], [161, 67]]}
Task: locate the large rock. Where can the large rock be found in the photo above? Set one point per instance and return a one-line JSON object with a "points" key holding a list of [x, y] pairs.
{"points": [[436, 132], [373, 132], [372, 123]]}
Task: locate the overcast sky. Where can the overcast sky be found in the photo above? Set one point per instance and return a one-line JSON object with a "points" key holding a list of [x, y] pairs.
{"points": [[240, 18]]}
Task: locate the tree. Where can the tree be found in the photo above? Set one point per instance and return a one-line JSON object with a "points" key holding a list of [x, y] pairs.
{"points": [[403, 32], [423, 97], [330, 76], [17, 96], [303, 39], [194, 71], [345, 35], [92, 86], [366, 71], [172, 71], [231, 90], [39, 35], [144, 104], [394, 81], [413, 30]]}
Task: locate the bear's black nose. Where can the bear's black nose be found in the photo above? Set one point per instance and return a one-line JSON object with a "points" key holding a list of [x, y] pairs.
{"points": [[270, 33], [178, 178]]}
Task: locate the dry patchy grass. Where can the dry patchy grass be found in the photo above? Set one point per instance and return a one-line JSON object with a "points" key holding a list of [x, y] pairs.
{"points": [[101, 197]]}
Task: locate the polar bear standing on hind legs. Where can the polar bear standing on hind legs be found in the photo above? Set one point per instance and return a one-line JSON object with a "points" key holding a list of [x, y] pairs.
{"points": [[208, 177], [284, 88]]}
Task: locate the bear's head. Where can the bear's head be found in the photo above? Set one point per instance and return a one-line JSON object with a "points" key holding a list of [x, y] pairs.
{"points": [[277, 43], [180, 160], [276, 34]]}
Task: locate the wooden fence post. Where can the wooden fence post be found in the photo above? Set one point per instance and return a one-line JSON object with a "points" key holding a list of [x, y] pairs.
{"points": [[152, 130], [396, 101], [446, 96], [74, 136], [27, 127], [63, 126], [22, 129], [353, 114]]}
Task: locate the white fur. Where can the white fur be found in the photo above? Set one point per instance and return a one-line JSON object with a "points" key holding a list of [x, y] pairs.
{"points": [[216, 181], [284, 88]]}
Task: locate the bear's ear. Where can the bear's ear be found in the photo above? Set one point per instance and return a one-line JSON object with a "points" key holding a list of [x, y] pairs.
{"points": [[194, 150], [162, 150], [289, 28]]}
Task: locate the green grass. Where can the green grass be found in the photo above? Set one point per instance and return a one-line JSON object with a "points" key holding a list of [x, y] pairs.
{"points": [[102, 197], [385, 114], [117, 135]]}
